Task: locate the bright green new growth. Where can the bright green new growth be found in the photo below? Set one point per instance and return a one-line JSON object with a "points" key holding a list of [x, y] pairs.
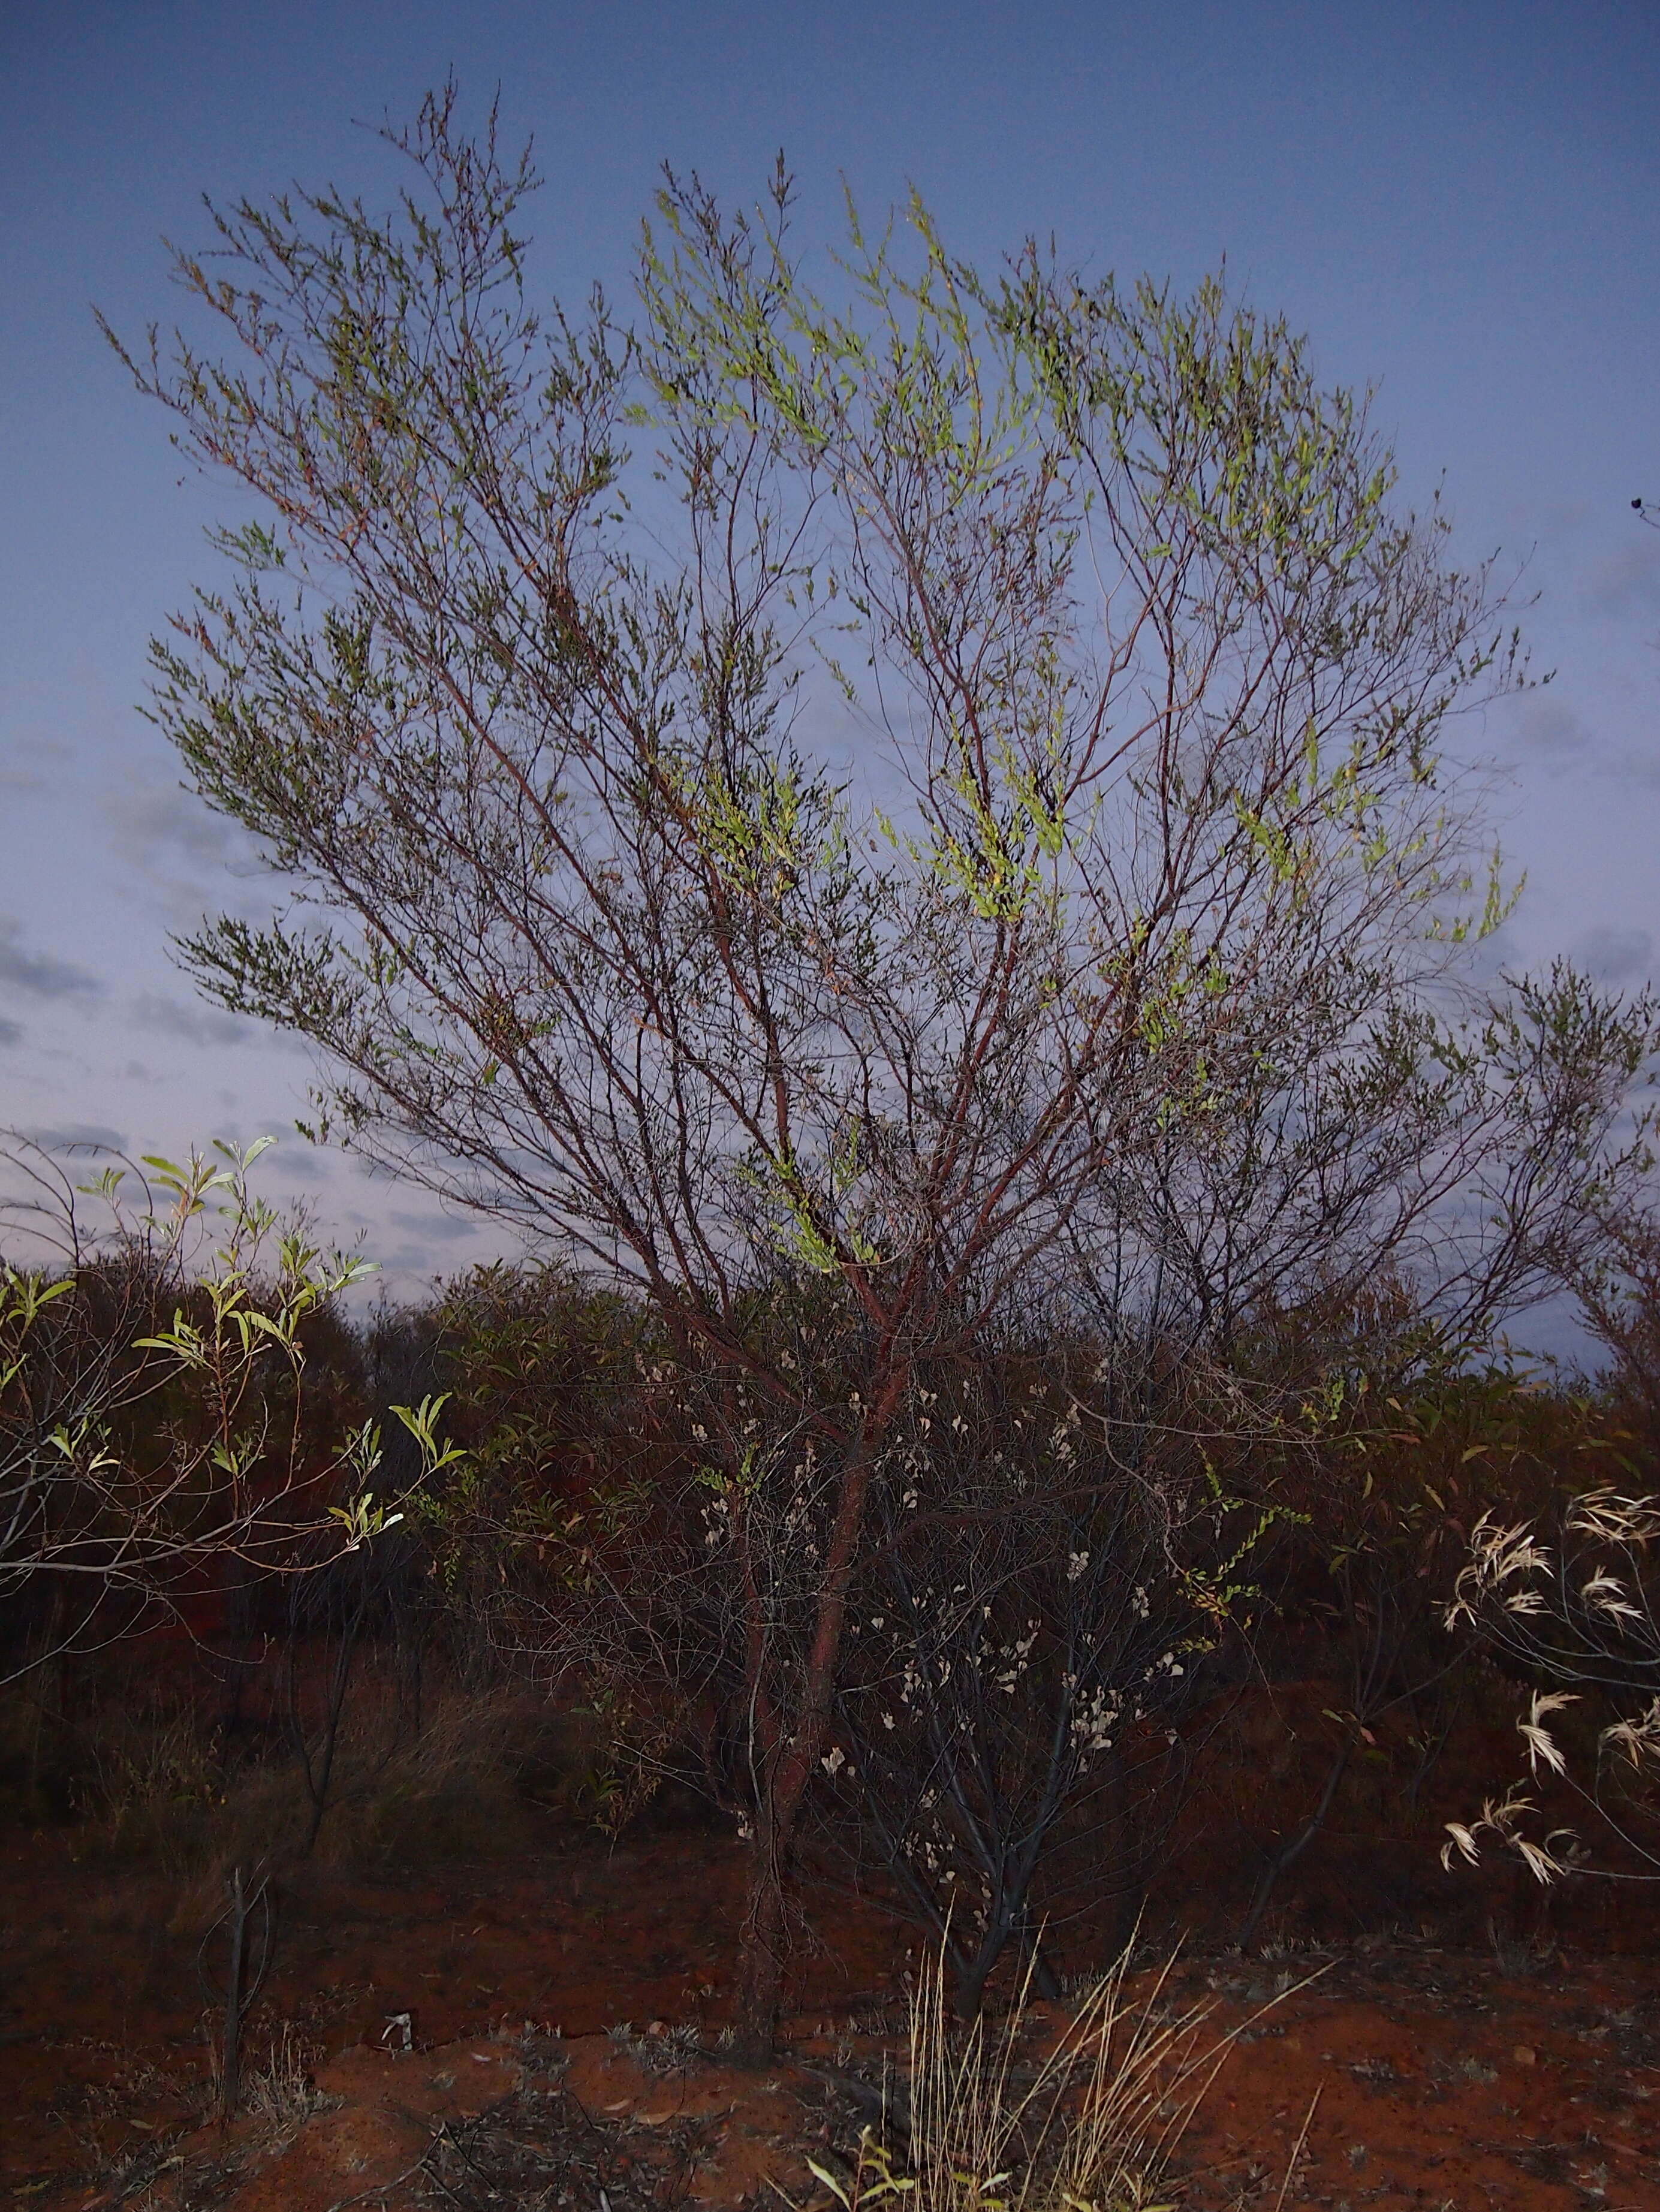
{"points": [[128, 1463]]}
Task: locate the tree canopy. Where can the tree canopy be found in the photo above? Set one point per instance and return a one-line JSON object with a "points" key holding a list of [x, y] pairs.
{"points": [[927, 788]]}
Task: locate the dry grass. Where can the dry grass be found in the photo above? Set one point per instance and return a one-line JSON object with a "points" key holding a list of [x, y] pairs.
{"points": [[450, 1790], [281, 2091], [156, 1781], [1012, 2117], [154, 1785]]}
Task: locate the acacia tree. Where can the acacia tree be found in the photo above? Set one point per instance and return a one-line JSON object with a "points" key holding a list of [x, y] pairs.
{"points": [[933, 792]]}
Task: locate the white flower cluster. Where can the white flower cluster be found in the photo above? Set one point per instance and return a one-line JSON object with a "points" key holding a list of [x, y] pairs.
{"points": [[1016, 1657], [1095, 1720]]}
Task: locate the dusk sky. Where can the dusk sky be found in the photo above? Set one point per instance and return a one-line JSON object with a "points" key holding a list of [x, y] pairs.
{"points": [[1461, 204]]}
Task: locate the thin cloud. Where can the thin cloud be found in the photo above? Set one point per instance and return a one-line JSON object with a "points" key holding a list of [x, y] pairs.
{"points": [[1560, 742], [79, 1137], [182, 855], [1549, 729], [443, 1228], [1615, 955], [197, 1025], [22, 783], [374, 1171], [1627, 583], [41, 974], [155, 825]]}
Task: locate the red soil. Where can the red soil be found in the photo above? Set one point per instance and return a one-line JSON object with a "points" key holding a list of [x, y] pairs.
{"points": [[1444, 2079]]}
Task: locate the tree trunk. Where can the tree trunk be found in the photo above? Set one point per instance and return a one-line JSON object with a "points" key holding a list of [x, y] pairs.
{"points": [[786, 1768], [1293, 1848], [765, 1951]]}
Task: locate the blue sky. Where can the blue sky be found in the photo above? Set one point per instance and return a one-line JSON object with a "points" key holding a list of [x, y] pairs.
{"points": [[1461, 204]]}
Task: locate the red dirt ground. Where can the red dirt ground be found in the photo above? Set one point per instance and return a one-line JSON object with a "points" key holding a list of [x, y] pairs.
{"points": [[1446, 2079]]}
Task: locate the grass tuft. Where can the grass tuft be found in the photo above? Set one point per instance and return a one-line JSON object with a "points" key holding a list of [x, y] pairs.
{"points": [[1011, 2117]]}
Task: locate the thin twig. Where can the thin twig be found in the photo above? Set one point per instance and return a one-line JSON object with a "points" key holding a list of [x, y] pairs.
{"points": [[1297, 2152]]}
